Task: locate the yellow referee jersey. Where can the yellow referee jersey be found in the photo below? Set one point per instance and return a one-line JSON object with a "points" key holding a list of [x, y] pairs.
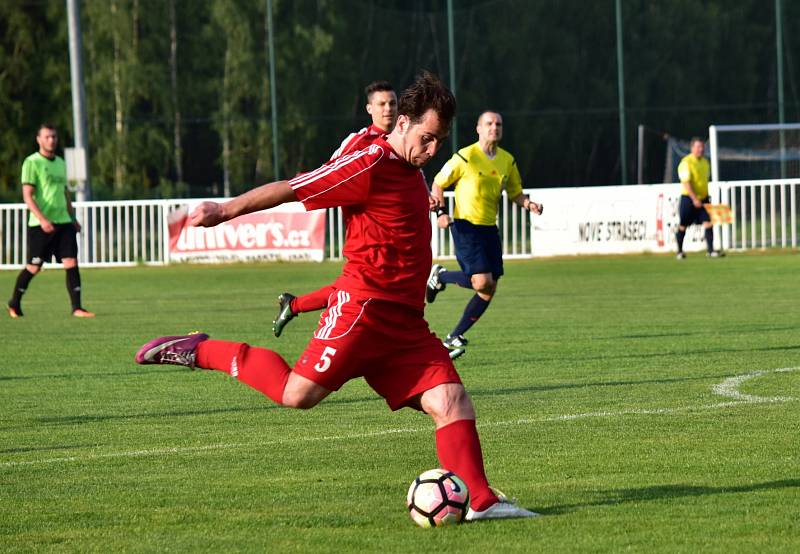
{"points": [[695, 171], [479, 182]]}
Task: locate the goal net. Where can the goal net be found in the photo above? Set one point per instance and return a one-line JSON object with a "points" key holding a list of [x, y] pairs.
{"points": [[758, 168], [754, 152]]}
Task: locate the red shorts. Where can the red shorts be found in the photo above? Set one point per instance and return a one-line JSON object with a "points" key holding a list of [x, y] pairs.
{"points": [[387, 343]]}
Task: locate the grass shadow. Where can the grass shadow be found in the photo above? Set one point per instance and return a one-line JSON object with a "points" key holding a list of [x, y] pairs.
{"points": [[693, 333], [20, 450], [77, 375], [666, 492], [268, 405], [568, 386], [666, 354]]}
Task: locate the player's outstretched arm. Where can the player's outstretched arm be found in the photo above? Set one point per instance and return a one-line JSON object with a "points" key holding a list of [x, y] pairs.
{"points": [[209, 214]]}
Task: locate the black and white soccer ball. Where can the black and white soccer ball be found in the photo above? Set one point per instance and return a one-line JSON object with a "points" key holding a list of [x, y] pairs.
{"points": [[437, 498]]}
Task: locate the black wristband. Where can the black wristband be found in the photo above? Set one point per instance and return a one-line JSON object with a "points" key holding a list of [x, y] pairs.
{"points": [[440, 211]]}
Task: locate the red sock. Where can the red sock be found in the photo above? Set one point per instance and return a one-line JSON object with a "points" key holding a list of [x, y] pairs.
{"points": [[459, 450], [312, 301], [262, 369]]}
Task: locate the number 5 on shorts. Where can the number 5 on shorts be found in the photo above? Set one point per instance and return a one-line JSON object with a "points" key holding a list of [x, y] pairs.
{"points": [[325, 359]]}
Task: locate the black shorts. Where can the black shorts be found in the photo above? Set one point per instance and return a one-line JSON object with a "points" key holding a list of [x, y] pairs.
{"points": [[478, 248], [61, 243], [689, 214]]}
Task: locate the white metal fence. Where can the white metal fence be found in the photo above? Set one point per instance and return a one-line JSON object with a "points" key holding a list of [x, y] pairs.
{"points": [[125, 233], [113, 233], [122, 233], [765, 213]]}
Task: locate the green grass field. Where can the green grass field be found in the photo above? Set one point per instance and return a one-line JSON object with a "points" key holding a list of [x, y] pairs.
{"points": [[594, 381]]}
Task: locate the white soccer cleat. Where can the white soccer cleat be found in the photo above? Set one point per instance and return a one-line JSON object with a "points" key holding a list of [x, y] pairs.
{"points": [[456, 353], [434, 286], [455, 341], [456, 345], [503, 509]]}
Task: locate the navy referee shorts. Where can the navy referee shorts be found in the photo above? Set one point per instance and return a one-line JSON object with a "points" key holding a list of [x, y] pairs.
{"points": [[689, 215], [478, 248]]}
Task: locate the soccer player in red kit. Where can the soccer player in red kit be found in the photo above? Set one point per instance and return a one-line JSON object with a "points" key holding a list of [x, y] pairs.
{"points": [[374, 327], [382, 108]]}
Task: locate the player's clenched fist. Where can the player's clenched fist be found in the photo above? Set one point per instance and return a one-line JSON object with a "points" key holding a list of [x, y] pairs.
{"points": [[207, 214]]}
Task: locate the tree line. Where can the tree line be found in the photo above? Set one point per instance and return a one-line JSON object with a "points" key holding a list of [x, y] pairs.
{"points": [[178, 92]]}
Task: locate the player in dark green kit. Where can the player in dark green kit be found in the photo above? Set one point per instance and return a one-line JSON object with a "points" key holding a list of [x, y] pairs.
{"points": [[52, 227]]}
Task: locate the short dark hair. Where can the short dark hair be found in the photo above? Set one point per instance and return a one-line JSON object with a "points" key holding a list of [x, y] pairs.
{"points": [[427, 92], [696, 139], [45, 125], [480, 115], [377, 86]]}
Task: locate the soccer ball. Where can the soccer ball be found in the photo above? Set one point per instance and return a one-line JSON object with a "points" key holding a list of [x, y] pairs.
{"points": [[437, 498]]}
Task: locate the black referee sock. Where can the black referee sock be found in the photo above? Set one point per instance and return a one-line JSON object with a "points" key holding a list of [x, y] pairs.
{"points": [[710, 239], [20, 287], [679, 237], [457, 277], [74, 287], [472, 313]]}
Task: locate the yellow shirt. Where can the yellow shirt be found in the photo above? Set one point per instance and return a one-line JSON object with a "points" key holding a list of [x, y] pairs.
{"points": [[695, 171], [479, 182]]}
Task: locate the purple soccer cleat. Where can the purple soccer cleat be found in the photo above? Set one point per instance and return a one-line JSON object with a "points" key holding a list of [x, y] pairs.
{"points": [[178, 350]]}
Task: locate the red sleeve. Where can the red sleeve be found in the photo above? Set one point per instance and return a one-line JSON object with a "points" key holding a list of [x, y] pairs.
{"points": [[344, 181]]}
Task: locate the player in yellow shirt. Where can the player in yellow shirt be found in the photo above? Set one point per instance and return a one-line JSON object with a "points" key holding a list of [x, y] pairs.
{"points": [[694, 171], [480, 173]]}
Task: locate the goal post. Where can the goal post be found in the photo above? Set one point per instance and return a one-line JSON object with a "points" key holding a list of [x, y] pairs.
{"points": [[772, 148], [758, 166]]}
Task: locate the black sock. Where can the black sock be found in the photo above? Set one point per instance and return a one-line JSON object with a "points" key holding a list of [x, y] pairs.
{"points": [[458, 277], [74, 287], [472, 313], [710, 239], [679, 237], [20, 287]]}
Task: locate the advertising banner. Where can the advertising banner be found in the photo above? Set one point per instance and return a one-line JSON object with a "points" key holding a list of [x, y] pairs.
{"points": [[611, 220], [287, 232]]}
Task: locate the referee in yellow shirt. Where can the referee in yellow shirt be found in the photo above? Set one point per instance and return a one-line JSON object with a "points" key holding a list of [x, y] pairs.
{"points": [[693, 171], [480, 172]]}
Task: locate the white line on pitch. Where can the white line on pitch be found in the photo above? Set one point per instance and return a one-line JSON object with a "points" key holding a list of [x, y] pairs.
{"points": [[729, 387]]}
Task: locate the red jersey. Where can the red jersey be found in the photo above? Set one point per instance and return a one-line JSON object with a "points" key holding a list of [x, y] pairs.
{"points": [[388, 230], [359, 140]]}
